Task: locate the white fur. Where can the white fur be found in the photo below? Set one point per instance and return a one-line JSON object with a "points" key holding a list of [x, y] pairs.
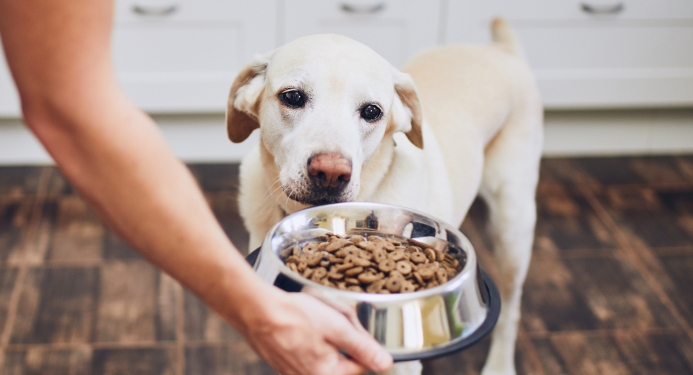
{"points": [[482, 133]]}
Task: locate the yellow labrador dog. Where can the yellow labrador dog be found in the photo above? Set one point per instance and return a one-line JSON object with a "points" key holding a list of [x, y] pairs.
{"points": [[339, 123]]}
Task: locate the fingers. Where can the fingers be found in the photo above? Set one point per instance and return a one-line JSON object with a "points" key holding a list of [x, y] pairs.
{"points": [[362, 347]]}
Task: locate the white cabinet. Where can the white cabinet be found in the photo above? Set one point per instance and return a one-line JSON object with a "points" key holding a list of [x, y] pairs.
{"points": [[594, 53], [396, 29], [182, 55]]}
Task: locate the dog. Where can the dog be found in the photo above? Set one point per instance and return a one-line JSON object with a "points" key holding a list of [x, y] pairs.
{"points": [[339, 123]]}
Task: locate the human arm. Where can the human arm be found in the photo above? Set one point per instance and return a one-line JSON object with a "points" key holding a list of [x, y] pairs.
{"points": [[114, 155]]}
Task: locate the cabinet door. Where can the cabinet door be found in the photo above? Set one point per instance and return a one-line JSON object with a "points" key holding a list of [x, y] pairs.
{"points": [[182, 55], [394, 29], [593, 54]]}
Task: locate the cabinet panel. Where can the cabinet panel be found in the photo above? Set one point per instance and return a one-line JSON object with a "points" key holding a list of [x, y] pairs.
{"points": [[633, 58], [184, 58], [394, 29]]}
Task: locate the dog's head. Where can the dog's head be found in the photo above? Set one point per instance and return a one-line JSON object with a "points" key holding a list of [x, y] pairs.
{"points": [[324, 105]]}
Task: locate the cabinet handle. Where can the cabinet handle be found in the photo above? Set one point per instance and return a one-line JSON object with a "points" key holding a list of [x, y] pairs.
{"points": [[155, 11], [362, 9], [606, 9]]}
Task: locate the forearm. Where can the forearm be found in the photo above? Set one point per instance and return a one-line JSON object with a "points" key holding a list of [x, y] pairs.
{"points": [[141, 191]]}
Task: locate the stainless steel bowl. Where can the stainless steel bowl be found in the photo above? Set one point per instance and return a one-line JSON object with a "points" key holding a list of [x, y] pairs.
{"points": [[419, 325]]}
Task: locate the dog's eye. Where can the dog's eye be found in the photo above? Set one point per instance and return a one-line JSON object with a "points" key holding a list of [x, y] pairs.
{"points": [[371, 113], [293, 98]]}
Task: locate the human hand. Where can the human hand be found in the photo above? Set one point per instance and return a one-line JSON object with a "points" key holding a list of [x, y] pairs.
{"points": [[302, 335]]}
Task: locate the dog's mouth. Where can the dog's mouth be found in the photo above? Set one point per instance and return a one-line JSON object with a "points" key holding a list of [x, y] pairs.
{"points": [[317, 197]]}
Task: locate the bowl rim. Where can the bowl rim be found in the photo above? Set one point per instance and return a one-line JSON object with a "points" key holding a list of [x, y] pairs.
{"points": [[468, 271]]}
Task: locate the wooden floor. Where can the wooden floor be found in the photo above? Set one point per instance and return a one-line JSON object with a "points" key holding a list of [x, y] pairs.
{"points": [[609, 291]]}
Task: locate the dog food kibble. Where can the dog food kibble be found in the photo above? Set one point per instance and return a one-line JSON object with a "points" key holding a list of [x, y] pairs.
{"points": [[372, 264]]}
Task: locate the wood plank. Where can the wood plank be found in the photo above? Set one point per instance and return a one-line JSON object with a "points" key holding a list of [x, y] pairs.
{"points": [[588, 294], [78, 234], [14, 221], [126, 302], [57, 305], [622, 353], [133, 362], [228, 358], [42, 361]]}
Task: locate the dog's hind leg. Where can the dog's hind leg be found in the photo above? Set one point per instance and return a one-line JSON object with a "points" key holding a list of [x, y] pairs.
{"points": [[510, 176]]}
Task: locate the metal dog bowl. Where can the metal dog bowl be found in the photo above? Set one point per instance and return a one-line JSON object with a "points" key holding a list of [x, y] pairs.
{"points": [[411, 326]]}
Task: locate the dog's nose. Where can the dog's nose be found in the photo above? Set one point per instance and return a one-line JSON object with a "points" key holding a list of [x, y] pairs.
{"points": [[329, 171]]}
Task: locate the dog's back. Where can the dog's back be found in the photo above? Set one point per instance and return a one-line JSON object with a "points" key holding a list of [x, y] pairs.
{"points": [[471, 93]]}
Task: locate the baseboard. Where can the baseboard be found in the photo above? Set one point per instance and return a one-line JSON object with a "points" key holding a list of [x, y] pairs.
{"points": [[202, 138], [618, 132]]}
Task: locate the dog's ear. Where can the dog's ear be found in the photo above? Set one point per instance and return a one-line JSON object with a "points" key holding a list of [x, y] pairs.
{"points": [[245, 99], [406, 109]]}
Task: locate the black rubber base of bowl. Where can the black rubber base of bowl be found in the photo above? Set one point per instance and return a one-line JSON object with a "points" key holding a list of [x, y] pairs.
{"points": [[493, 304]]}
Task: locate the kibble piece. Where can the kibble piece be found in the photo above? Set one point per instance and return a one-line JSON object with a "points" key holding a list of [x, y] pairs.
{"points": [[320, 272], [418, 258], [403, 267], [351, 250], [427, 273], [355, 288], [325, 262], [308, 272], [375, 239], [439, 255], [314, 259], [311, 247], [335, 245], [394, 284], [293, 267], [362, 262], [387, 265], [414, 249], [397, 255], [365, 254], [389, 246], [355, 239], [368, 278], [341, 285], [292, 259], [379, 256], [384, 291], [430, 254], [376, 287], [367, 245], [352, 281], [344, 266], [335, 275], [441, 276], [353, 271], [302, 266], [323, 246], [418, 278], [407, 287]]}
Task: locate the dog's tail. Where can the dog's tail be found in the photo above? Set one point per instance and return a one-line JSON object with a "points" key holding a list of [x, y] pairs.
{"points": [[503, 34]]}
